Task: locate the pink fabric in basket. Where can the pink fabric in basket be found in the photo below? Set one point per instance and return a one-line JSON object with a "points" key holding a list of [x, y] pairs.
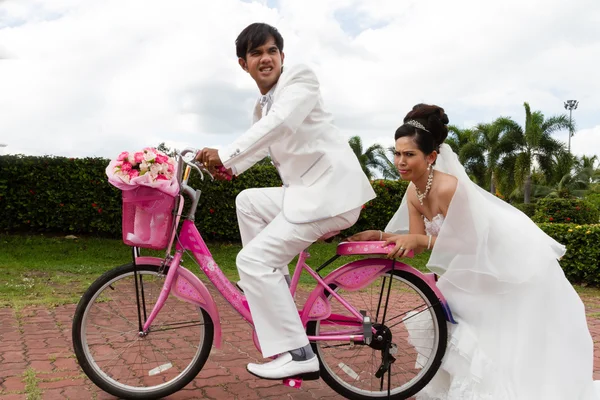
{"points": [[147, 217]]}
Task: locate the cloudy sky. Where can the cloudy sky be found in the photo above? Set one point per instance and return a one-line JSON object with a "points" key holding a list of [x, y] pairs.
{"points": [[92, 78]]}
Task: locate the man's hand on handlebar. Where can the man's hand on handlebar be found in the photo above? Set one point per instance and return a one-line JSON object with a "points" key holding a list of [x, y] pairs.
{"points": [[209, 158]]}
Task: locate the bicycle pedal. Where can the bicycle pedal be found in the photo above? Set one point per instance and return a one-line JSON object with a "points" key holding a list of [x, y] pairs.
{"points": [[293, 382], [296, 381]]}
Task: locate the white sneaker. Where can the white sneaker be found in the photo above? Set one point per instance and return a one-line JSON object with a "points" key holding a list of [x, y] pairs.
{"points": [[285, 367]]}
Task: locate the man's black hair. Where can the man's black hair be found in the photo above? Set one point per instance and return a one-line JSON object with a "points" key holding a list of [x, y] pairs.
{"points": [[255, 35]]}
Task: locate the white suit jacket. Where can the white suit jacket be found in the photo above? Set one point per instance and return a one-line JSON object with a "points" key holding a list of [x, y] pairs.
{"points": [[321, 175]]}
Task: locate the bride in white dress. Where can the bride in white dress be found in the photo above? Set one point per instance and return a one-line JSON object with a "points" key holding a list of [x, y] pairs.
{"points": [[522, 332]]}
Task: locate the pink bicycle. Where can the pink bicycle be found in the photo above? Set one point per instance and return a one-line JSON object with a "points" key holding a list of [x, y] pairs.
{"points": [[145, 329]]}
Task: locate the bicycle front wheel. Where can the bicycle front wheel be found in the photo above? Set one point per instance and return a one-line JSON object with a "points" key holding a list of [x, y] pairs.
{"points": [[121, 361], [407, 347]]}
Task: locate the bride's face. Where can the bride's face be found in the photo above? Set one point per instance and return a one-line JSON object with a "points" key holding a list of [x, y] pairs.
{"points": [[410, 161]]}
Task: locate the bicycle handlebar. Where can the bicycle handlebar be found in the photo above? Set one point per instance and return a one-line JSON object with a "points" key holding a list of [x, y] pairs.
{"points": [[198, 167], [183, 176]]}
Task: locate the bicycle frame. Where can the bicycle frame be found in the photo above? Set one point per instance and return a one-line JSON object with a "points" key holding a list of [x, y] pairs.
{"points": [[186, 286]]}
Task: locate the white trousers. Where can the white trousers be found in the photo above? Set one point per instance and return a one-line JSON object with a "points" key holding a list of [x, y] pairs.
{"points": [[270, 243]]}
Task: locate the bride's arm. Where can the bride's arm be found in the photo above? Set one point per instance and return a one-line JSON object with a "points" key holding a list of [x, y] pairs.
{"points": [[417, 240], [417, 228]]}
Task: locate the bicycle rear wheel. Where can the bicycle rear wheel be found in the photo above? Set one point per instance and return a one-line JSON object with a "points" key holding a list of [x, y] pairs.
{"points": [[113, 353], [413, 335]]}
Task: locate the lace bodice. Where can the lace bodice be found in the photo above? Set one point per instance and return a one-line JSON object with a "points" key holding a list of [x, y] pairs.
{"points": [[433, 227]]}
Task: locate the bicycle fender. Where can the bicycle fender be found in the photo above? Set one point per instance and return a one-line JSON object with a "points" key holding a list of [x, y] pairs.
{"points": [[188, 287], [357, 275]]}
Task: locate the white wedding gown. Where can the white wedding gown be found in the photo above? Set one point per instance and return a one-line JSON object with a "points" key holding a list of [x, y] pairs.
{"points": [[534, 344], [521, 331]]}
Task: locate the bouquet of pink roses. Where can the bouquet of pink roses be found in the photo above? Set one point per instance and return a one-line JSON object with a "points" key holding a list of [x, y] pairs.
{"points": [[148, 181], [149, 167]]}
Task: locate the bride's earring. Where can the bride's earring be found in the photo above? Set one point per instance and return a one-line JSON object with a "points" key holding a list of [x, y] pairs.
{"points": [[428, 167]]}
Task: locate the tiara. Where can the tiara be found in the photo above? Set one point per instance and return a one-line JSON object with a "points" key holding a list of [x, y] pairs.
{"points": [[416, 124]]}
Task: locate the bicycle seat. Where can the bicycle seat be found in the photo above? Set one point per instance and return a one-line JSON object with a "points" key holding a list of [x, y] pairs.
{"points": [[363, 248]]}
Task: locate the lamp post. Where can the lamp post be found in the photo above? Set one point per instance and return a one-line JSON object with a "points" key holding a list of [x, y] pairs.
{"points": [[571, 105]]}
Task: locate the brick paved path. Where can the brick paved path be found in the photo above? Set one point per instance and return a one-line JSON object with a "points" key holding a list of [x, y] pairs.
{"points": [[36, 358]]}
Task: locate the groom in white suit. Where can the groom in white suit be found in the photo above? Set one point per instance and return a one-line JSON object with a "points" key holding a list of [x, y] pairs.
{"points": [[323, 190]]}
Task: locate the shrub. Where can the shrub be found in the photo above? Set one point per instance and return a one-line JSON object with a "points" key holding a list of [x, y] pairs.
{"points": [[574, 211], [527, 208], [593, 198], [57, 194], [377, 213], [581, 262], [68, 195], [216, 216]]}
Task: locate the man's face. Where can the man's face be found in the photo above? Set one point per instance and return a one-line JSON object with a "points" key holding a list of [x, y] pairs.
{"points": [[263, 63]]}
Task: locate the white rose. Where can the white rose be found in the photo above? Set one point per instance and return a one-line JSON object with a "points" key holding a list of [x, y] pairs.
{"points": [[155, 170], [149, 156]]}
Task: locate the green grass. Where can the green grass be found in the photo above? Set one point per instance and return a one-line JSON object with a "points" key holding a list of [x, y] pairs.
{"points": [[49, 270], [32, 390]]}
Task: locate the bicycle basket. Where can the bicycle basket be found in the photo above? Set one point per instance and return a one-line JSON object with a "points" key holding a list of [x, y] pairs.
{"points": [[147, 218]]}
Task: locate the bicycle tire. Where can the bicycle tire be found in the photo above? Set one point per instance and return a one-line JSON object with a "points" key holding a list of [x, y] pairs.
{"points": [[90, 363], [348, 391]]}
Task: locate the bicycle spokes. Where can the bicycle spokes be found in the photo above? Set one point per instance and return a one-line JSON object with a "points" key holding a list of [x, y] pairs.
{"points": [[404, 338]]}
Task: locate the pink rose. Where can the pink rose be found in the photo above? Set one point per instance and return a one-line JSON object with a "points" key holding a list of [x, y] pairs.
{"points": [[170, 168], [162, 159], [133, 173], [126, 167], [123, 156], [138, 157]]}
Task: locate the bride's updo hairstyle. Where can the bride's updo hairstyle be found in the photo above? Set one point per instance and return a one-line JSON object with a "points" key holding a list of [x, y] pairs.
{"points": [[435, 123]]}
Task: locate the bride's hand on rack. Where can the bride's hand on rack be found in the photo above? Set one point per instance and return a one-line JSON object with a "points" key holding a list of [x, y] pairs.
{"points": [[403, 244]]}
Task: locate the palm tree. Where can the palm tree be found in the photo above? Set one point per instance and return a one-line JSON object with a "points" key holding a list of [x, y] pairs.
{"points": [[372, 159], [562, 165], [586, 167], [492, 146], [458, 138], [531, 145], [390, 171], [465, 143], [583, 176]]}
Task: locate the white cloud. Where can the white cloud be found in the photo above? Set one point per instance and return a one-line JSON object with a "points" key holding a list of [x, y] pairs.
{"points": [[586, 141], [94, 78]]}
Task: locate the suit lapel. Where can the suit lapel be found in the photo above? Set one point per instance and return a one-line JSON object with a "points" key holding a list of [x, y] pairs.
{"points": [[257, 114]]}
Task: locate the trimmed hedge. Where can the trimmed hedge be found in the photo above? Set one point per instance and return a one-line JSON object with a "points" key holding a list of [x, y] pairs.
{"points": [[581, 262], [57, 194], [574, 211], [593, 198], [377, 213], [527, 208], [67, 195]]}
